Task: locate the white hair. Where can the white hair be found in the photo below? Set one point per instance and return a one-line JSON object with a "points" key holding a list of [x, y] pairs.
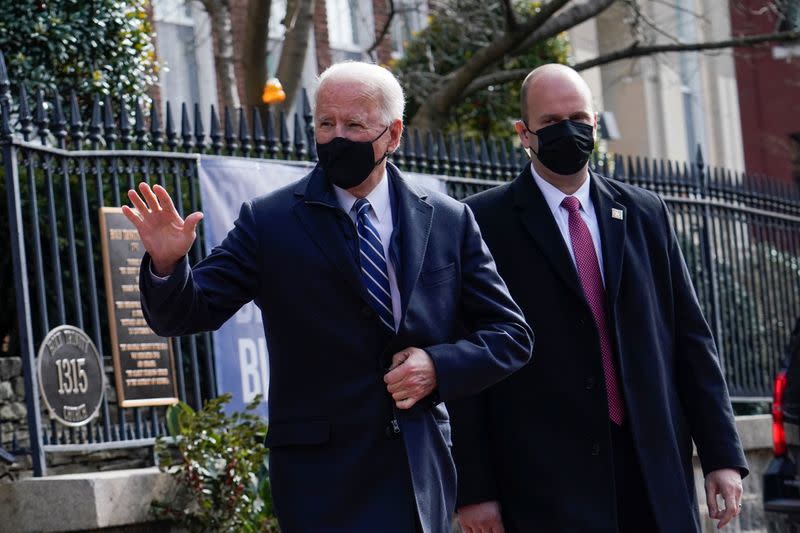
{"points": [[391, 98]]}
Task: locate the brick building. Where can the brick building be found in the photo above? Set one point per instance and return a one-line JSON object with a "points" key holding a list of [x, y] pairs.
{"points": [[769, 92]]}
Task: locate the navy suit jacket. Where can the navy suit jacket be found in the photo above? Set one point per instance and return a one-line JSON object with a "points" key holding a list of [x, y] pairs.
{"points": [[539, 441], [335, 463]]}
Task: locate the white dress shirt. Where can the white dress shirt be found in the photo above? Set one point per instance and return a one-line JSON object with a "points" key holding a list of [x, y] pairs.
{"points": [[554, 197], [381, 217]]}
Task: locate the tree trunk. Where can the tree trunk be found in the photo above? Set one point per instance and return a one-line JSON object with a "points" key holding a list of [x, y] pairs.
{"points": [[298, 23], [254, 55], [219, 12], [433, 112]]}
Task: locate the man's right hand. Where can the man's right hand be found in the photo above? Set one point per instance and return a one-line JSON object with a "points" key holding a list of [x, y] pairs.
{"points": [[166, 236], [481, 518]]}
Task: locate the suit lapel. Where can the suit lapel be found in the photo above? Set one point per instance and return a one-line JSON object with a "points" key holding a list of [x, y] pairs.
{"points": [[611, 217], [537, 219], [321, 216], [414, 219]]}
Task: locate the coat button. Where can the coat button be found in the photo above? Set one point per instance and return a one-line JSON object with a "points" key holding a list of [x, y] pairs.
{"points": [[366, 310], [596, 448], [590, 383]]}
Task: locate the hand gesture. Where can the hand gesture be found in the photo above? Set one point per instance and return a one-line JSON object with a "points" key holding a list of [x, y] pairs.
{"points": [[411, 377], [166, 236], [726, 482]]}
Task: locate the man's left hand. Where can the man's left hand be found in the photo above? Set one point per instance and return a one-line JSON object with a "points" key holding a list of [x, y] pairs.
{"points": [[726, 482], [411, 377]]}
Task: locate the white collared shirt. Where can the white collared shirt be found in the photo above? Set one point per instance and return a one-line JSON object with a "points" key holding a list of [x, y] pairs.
{"points": [[381, 217], [554, 197]]}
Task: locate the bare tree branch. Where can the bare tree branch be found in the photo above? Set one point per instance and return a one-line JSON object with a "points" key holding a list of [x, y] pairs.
{"points": [[456, 81], [508, 76], [737, 42], [383, 31], [511, 18], [641, 17], [565, 20], [298, 23], [682, 9]]}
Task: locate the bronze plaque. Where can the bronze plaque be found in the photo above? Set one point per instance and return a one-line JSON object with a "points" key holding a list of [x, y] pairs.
{"points": [[143, 363], [70, 376]]}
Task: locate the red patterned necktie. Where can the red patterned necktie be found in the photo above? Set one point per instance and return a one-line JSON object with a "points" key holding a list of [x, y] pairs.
{"points": [[592, 283]]}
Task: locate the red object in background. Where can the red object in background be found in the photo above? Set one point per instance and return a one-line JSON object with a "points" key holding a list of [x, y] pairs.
{"points": [[778, 432]]}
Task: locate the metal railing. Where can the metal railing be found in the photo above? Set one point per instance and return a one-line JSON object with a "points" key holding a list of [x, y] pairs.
{"points": [[740, 234]]}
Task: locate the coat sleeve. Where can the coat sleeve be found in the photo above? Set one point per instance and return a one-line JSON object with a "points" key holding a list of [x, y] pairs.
{"points": [[469, 419], [701, 385], [202, 298], [497, 341]]}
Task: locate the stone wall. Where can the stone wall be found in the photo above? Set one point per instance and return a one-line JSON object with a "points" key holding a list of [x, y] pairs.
{"points": [[13, 422], [755, 432], [14, 436]]}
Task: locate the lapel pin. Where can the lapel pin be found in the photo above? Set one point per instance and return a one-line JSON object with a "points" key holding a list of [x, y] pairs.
{"points": [[616, 213]]}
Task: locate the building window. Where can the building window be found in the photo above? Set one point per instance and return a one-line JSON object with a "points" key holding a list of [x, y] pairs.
{"points": [[183, 45], [277, 12], [350, 28], [411, 16]]}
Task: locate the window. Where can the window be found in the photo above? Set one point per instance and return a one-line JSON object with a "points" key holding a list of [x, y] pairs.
{"points": [[350, 28], [277, 12], [410, 17], [183, 44], [795, 149]]}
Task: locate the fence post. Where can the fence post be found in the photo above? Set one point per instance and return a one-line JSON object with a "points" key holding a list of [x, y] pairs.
{"points": [[24, 315], [708, 258]]}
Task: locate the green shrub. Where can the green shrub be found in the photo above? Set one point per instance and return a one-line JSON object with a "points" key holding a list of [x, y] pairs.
{"points": [[102, 47], [220, 465]]}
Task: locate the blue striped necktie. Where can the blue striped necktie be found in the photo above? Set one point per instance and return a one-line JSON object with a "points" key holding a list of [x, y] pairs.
{"points": [[374, 271]]}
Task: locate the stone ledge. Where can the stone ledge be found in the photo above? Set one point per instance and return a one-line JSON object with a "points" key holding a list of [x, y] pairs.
{"points": [[86, 501]]}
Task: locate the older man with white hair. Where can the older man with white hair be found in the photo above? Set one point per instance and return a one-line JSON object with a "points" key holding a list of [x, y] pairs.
{"points": [[379, 301]]}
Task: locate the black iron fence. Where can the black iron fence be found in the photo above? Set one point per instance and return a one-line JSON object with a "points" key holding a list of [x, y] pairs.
{"points": [[740, 234]]}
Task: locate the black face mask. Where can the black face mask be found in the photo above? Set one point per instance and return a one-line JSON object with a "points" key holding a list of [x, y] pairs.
{"points": [[347, 163], [564, 147]]}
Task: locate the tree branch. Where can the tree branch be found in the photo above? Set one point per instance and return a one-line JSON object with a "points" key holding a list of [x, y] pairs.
{"points": [[569, 18], [384, 31], [737, 42], [508, 76], [254, 56], [511, 20], [221, 28], [460, 78]]}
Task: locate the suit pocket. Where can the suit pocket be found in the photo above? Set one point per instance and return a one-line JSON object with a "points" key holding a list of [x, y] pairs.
{"points": [[304, 433], [437, 276]]}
